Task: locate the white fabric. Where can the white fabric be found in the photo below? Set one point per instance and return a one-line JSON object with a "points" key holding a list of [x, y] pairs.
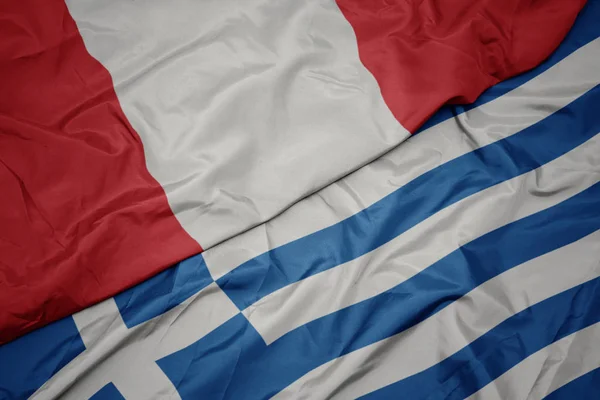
{"points": [[427, 242], [441, 335], [207, 134], [126, 357], [243, 106], [548, 369], [503, 117]]}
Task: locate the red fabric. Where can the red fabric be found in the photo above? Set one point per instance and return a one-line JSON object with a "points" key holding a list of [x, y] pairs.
{"points": [[81, 219], [80, 216], [425, 53]]}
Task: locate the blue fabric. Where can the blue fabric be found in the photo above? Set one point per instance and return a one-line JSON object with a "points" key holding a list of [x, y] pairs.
{"points": [[108, 392], [234, 362], [414, 202], [164, 291], [586, 387], [234, 354], [29, 361], [503, 347]]}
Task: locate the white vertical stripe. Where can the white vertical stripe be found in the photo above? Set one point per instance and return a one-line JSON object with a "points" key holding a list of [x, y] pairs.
{"points": [[127, 357], [454, 327], [243, 106], [548, 369], [138, 381], [426, 243], [481, 126]]}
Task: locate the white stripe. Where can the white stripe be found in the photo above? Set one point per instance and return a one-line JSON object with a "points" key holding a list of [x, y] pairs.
{"points": [[142, 381], [243, 106], [548, 369], [454, 327], [486, 124], [426, 243], [127, 357]]}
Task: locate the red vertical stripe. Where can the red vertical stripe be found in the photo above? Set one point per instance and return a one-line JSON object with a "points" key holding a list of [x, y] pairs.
{"points": [[425, 53], [80, 216]]}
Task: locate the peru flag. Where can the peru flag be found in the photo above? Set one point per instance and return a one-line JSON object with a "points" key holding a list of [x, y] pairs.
{"points": [[134, 134]]}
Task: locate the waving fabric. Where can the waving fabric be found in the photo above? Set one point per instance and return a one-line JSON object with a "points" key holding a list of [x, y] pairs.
{"points": [[461, 264], [135, 134]]}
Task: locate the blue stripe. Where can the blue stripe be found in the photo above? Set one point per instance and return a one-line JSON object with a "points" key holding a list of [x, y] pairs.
{"points": [[164, 291], [206, 368], [515, 339], [47, 350], [108, 392], [225, 361], [585, 29], [414, 202], [586, 387], [29, 361]]}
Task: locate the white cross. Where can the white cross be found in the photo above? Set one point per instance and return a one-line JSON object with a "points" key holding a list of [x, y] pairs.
{"points": [[126, 357]]}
